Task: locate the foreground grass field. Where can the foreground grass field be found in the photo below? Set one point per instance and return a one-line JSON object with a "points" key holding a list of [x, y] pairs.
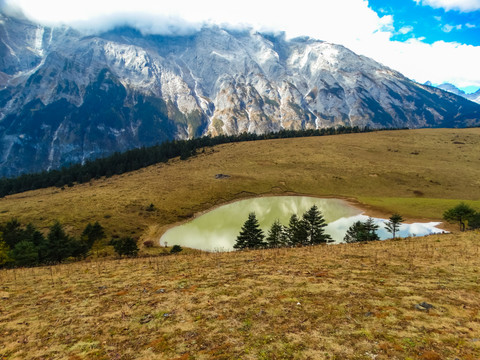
{"points": [[324, 302], [406, 299], [418, 173]]}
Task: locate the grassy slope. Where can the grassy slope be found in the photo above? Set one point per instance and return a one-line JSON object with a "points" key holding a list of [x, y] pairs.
{"points": [[325, 302], [385, 171]]}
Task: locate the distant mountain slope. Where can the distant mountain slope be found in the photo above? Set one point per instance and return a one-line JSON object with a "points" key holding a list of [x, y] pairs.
{"points": [[475, 97], [66, 97]]}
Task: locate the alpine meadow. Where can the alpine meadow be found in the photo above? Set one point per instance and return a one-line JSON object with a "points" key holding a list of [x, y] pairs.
{"points": [[326, 301]]}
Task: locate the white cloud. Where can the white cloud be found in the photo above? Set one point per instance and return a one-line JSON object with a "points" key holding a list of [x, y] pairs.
{"points": [[405, 30], [332, 20], [461, 5], [471, 26], [348, 22], [448, 28], [438, 62]]}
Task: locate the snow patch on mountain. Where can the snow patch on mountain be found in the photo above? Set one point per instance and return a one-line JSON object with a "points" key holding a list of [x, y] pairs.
{"points": [[475, 97], [76, 96]]}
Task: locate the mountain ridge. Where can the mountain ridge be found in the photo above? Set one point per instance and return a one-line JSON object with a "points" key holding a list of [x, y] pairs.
{"points": [[475, 97], [66, 97]]}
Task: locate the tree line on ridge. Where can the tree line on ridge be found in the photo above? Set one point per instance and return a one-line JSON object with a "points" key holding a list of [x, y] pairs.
{"points": [[135, 159]]}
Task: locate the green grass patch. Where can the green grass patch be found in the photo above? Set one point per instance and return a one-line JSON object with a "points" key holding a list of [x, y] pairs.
{"points": [[418, 208]]}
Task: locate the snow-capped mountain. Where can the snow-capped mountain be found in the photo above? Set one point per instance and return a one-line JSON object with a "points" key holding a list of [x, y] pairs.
{"points": [[66, 96], [454, 90]]}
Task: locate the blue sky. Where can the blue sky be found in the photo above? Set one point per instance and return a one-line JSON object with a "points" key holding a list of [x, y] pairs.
{"points": [[412, 20], [434, 40], [433, 21]]}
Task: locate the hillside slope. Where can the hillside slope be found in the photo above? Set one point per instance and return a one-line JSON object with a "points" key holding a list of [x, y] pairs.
{"points": [[66, 96], [323, 302], [475, 97], [386, 171]]}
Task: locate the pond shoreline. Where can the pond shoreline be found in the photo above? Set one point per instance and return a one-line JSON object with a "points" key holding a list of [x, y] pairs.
{"points": [[277, 208], [365, 209]]}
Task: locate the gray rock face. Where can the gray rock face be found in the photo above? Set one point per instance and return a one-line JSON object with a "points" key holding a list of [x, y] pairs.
{"points": [[66, 97]]}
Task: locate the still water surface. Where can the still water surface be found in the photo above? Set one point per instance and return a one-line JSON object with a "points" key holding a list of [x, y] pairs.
{"points": [[217, 230]]}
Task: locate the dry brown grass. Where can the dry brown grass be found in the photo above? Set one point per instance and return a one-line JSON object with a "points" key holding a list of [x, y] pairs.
{"points": [[324, 302], [418, 173]]}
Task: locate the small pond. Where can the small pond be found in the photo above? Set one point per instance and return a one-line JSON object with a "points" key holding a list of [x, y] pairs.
{"points": [[217, 230]]}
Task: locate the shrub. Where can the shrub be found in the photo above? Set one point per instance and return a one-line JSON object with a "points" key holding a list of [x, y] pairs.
{"points": [[125, 246], [148, 244], [175, 249], [474, 222], [150, 207], [460, 214]]}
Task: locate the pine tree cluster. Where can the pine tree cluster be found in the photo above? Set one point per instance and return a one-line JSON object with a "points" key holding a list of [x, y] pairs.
{"points": [[27, 246], [309, 230]]}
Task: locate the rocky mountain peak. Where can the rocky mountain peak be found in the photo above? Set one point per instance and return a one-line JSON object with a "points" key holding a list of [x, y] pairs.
{"points": [[66, 96]]}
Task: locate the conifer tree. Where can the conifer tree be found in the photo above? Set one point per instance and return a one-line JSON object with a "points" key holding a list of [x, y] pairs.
{"points": [[393, 225], [25, 253], [36, 238], [315, 224], [92, 234], [297, 231], [371, 230], [362, 231], [251, 236], [12, 233], [355, 233], [60, 244], [276, 235]]}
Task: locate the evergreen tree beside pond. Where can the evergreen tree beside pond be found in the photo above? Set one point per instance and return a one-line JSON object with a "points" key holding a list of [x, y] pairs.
{"points": [[393, 224], [315, 227], [362, 231], [297, 231], [277, 235], [251, 236], [309, 230]]}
